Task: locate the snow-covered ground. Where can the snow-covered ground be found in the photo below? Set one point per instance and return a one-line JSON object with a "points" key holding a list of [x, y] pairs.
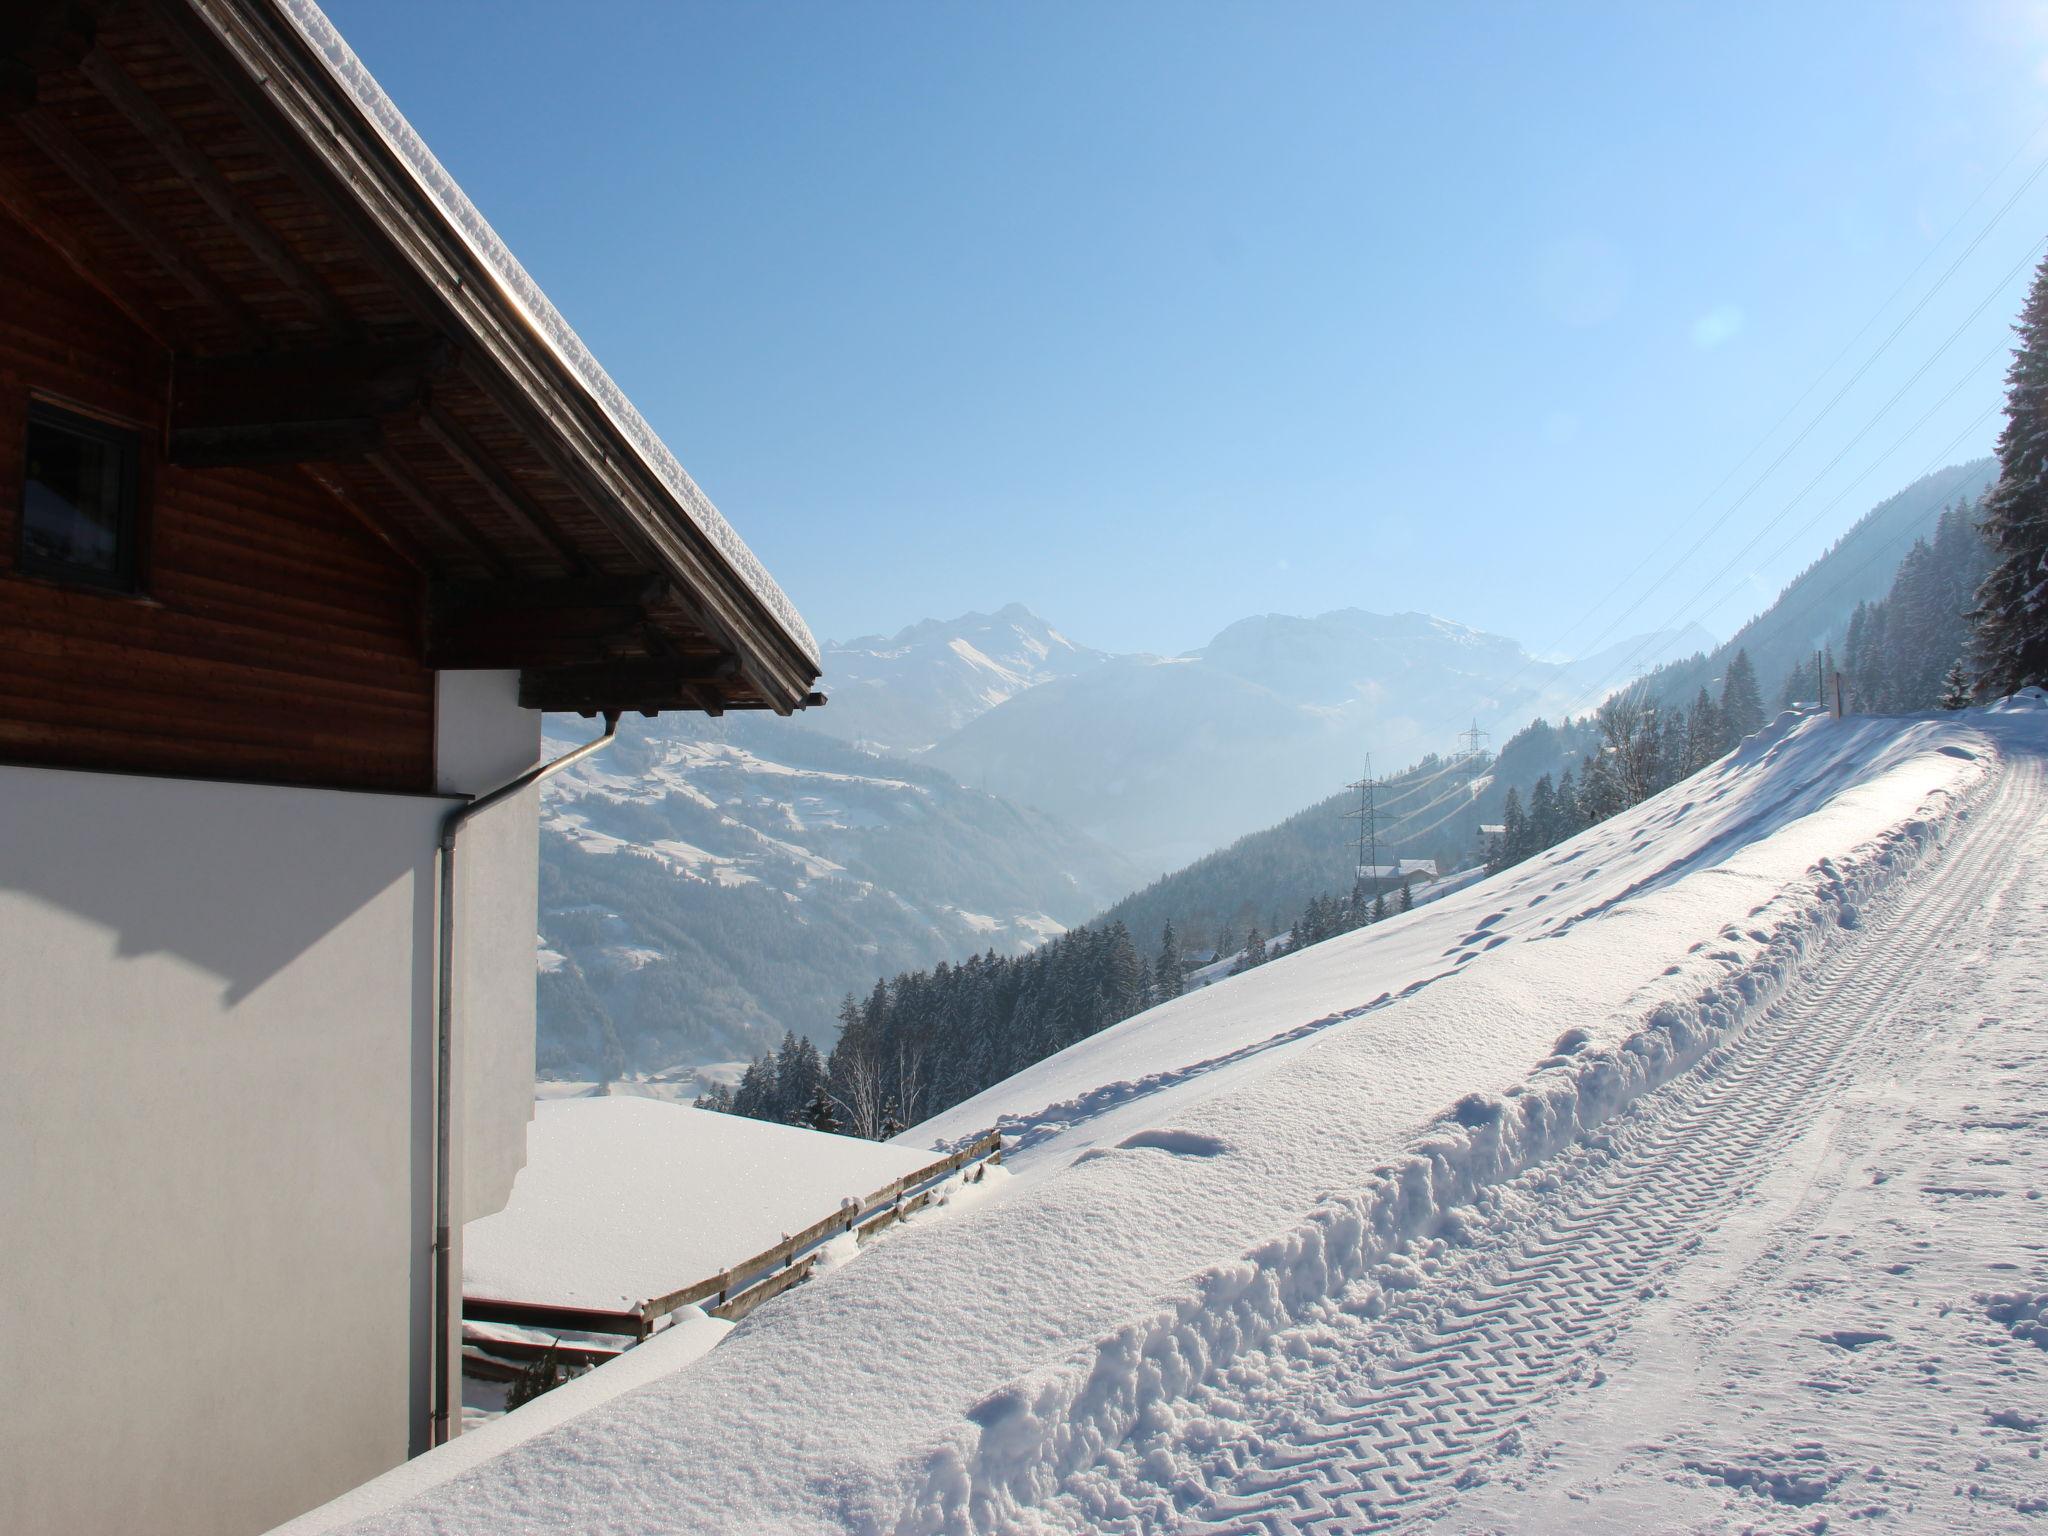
{"points": [[625, 1198], [1554, 1202]]}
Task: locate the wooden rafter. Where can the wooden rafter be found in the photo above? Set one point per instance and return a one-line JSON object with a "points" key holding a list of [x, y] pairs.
{"points": [[77, 254], [398, 542], [404, 482], [205, 179], [456, 441], [63, 146]]}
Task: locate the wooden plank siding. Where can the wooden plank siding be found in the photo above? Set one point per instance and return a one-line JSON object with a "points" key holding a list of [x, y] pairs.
{"points": [[275, 638]]}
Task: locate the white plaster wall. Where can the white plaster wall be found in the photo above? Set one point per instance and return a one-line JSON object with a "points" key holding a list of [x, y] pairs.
{"points": [[483, 739], [215, 1013]]}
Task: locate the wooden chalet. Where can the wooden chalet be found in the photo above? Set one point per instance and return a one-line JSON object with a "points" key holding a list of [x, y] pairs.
{"points": [[353, 446], [310, 503]]}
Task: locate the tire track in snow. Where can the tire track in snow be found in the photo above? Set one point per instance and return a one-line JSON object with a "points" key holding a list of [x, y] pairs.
{"points": [[1418, 1398]]}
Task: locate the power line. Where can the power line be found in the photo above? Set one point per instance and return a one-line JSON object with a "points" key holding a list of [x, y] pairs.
{"points": [[1977, 240], [1687, 610], [1368, 821]]}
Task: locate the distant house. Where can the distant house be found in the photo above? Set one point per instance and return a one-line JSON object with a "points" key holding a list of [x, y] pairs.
{"points": [[309, 504], [1401, 871]]}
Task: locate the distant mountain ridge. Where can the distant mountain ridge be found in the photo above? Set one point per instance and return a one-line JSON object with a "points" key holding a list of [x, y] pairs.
{"points": [[1165, 758], [906, 691]]}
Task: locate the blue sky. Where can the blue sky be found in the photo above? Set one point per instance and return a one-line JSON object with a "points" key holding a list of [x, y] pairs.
{"points": [[1153, 316]]}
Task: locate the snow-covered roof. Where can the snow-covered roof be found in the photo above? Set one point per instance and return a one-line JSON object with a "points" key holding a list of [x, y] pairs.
{"points": [[547, 321], [623, 1199]]}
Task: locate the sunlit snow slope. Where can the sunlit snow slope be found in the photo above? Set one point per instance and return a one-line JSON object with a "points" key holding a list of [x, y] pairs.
{"points": [[1207, 1197]]}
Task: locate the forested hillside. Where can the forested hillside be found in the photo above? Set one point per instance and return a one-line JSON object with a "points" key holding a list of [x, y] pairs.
{"points": [[1813, 611], [707, 885]]}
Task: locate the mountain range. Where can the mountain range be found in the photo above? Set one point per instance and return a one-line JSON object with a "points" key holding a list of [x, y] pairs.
{"points": [[1166, 758]]}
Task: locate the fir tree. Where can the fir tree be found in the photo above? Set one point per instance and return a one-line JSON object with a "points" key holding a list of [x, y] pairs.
{"points": [[1168, 975], [1379, 907], [1955, 688], [1546, 822], [2010, 641], [1742, 707], [1254, 951], [1514, 834], [818, 1113], [717, 1097], [1407, 897]]}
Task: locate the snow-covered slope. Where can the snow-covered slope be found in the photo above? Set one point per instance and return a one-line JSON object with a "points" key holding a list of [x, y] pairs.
{"points": [[707, 885], [1213, 1202]]}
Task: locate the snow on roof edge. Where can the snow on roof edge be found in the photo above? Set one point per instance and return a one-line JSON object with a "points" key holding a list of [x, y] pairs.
{"points": [[404, 141]]}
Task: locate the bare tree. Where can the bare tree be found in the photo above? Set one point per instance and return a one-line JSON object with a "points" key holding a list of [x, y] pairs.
{"points": [[858, 1094]]}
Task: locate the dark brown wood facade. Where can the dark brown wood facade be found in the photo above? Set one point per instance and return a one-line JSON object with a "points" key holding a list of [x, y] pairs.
{"points": [[360, 462], [274, 637]]}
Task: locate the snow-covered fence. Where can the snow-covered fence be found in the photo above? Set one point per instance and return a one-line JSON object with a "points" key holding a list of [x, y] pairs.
{"points": [[733, 1293]]}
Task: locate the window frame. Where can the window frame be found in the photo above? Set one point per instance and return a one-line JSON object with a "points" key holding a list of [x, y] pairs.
{"points": [[126, 441]]}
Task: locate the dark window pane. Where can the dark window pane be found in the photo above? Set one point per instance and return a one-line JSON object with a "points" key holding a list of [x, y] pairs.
{"points": [[77, 501]]}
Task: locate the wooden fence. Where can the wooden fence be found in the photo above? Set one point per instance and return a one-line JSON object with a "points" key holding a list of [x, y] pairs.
{"points": [[733, 1293]]}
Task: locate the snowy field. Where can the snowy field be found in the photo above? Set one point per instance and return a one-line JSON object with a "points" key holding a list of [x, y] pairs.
{"points": [[625, 1198], [1667, 1181]]}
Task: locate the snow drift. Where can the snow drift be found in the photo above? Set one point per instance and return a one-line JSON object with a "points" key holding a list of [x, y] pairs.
{"points": [[1202, 1175]]}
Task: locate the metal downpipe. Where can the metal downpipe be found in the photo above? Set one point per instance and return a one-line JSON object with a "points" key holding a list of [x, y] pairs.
{"points": [[440, 1417]]}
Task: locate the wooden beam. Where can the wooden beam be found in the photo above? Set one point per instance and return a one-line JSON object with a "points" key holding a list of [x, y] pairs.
{"points": [[534, 624], [280, 442], [324, 384], [295, 407], [77, 254], [204, 177], [403, 481], [456, 440], [62, 146], [650, 687], [398, 542]]}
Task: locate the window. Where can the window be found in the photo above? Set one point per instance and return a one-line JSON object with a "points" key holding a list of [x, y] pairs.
{"points": [[78, 499]]}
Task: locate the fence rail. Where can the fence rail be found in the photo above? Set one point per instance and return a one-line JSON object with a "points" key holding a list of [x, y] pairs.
{"points": [[733, 1293]]}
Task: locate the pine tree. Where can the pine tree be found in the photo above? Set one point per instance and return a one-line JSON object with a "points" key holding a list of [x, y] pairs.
{"points": [[818, 1114], [1379, 907], [1254, 951], [1408, 895], [1169, 974], [756, 1095], [717, 1097], [2010, 642], [1955, 688], [1546, 824], [1514, 833], [1742, 707], [1703, 733]]}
